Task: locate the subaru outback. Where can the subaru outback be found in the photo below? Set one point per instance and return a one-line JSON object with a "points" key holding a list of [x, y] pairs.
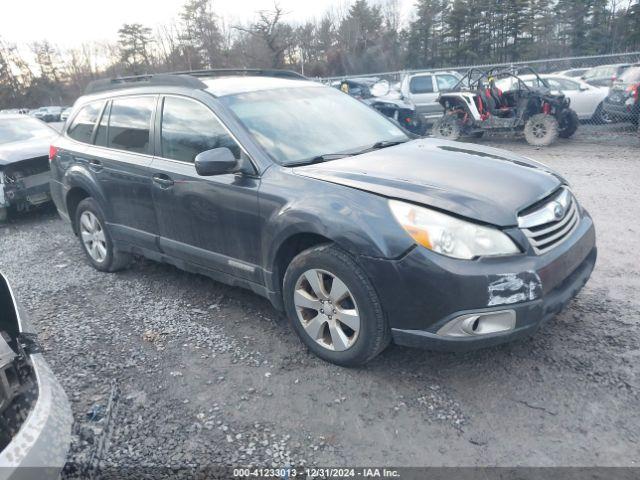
{"points": [[359, 233]]}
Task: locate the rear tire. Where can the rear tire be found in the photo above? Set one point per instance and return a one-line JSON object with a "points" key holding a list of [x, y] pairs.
{"points": [[568, 123], [541, 130], [448, 127], [333, 307], [95, 238], [601, 117]]}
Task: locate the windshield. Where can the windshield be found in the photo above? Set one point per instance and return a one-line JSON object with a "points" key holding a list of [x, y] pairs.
{"points": [[20, 129], [299, 124], [631, 75]]}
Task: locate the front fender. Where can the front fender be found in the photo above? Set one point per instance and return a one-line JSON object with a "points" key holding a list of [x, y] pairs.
{"points": [[359, 222]]}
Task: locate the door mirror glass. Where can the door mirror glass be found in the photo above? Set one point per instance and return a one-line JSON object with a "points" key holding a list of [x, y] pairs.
{"points": [[215, 162], [380, 89]]}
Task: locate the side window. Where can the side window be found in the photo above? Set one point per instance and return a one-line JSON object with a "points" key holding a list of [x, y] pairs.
{"points": [[421, 84], [446, 82], [189, 127], [82, 126], [129, 124], [101, 134]]}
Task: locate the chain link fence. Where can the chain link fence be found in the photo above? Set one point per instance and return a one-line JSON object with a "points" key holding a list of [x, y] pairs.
{"points": [[603, 89]]}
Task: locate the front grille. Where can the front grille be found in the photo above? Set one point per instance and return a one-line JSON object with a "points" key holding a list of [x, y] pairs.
{"points": [[545, 229]]}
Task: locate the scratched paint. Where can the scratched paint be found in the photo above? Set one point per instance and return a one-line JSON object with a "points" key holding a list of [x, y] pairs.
{"points": [[508, 288]]}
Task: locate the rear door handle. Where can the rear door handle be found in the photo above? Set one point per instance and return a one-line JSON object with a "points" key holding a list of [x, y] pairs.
{"points": [[163, 180]]}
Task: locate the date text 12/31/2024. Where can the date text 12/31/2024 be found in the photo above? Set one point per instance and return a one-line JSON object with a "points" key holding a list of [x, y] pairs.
{"points": [[326, 473]]}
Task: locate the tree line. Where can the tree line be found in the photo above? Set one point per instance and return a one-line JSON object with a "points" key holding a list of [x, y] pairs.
{"points": [[366, 36]]}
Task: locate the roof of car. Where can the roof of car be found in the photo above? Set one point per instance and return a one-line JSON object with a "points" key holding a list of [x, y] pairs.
{"points": [[232, 85]]}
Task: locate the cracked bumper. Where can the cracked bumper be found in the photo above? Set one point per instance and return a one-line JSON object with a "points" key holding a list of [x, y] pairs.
{"points": [[424, 291]]}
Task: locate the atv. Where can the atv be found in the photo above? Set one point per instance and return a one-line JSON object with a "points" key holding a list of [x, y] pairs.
{"points": [[476, 105]]}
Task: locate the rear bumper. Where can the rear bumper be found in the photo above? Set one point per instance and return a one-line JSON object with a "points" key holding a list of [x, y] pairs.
{"points": [[40, 447], [422, 292]]}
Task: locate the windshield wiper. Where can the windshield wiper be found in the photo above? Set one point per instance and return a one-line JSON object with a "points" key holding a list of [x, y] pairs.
{"points": [[319, 159], [381, 144]]}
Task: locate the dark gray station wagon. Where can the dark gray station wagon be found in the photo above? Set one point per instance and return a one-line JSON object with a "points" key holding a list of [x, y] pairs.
{"points": [[360, 233]]}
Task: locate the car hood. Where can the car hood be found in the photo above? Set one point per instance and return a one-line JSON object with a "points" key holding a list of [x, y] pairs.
{"points": [[16, 151], [481, 183]]}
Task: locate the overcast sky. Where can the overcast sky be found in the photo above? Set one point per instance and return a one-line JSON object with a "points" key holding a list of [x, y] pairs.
{"points": [[68, 23]]}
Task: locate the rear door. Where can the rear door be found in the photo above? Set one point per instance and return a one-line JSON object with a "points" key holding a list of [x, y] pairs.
{"points": [[120, 160], [208, 221]]}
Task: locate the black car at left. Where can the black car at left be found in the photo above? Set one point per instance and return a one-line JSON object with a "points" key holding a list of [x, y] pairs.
{"points": [[24, 163]]}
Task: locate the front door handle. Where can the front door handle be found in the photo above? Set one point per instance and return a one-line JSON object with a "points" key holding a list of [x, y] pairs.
{"points": [[165, 181]]}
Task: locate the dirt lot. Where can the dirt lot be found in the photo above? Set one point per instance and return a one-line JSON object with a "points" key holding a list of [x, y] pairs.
{"points": [[199, 373]]}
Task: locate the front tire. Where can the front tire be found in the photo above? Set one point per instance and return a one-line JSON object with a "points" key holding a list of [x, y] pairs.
{"points": [[448, 127], [333, 307], [601, 117], [568, 123], [95, 238], [541, 130]]}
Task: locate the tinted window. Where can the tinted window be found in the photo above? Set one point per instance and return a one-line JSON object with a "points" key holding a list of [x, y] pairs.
{"points": [[446, 82], [129, 124], [82, 126], [422, 84], [189, 128]]}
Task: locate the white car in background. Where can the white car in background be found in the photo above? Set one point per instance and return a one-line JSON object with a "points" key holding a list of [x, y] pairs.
{"points": [[586, 100]]}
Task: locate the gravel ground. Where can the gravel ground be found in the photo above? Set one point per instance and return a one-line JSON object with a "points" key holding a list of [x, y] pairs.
{"points": [[166, 368]]}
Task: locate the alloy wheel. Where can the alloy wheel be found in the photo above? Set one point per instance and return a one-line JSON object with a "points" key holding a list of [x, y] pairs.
{"points": [[327, 310], [539, 130], [93, 237]]}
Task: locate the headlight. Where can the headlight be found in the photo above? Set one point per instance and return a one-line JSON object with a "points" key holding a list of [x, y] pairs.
{"points": [[449, 235]]}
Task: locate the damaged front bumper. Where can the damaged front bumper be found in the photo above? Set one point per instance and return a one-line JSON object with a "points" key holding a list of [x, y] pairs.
{"points": [[25, 184], [35, 415], [440, 303]]}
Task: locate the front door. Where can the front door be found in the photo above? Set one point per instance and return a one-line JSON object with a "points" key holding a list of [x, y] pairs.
{"points": [[208, 221]]}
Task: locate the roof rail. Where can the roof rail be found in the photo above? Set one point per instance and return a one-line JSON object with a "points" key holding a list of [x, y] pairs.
{"points": [[173, 80], [258, 72], [184, 79]]}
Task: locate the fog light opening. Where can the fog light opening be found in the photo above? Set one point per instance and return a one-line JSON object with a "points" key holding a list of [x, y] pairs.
{"points": [[477, 324]]}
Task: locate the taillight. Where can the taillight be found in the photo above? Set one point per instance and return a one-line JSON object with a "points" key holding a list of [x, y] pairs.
{"points": [[634, 90], [53, 150]]}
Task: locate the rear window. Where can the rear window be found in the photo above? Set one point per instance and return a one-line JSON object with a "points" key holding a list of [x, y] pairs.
{"points": [[631, 75], [82, 126], [423, 84], [21, 129], [129, 124]]}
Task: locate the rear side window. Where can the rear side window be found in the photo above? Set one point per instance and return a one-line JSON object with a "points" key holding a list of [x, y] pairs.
{"points": [[82, 126], [446, 82], [189, 128], [130, 124], [423, 84]]}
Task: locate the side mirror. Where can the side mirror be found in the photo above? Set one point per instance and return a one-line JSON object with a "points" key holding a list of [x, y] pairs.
{"points": [[584, 87], [215, 162], [380, 89]]}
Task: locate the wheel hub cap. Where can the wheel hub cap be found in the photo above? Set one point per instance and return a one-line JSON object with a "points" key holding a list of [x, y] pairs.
{"points": [[93, 236], [327, 310]]}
